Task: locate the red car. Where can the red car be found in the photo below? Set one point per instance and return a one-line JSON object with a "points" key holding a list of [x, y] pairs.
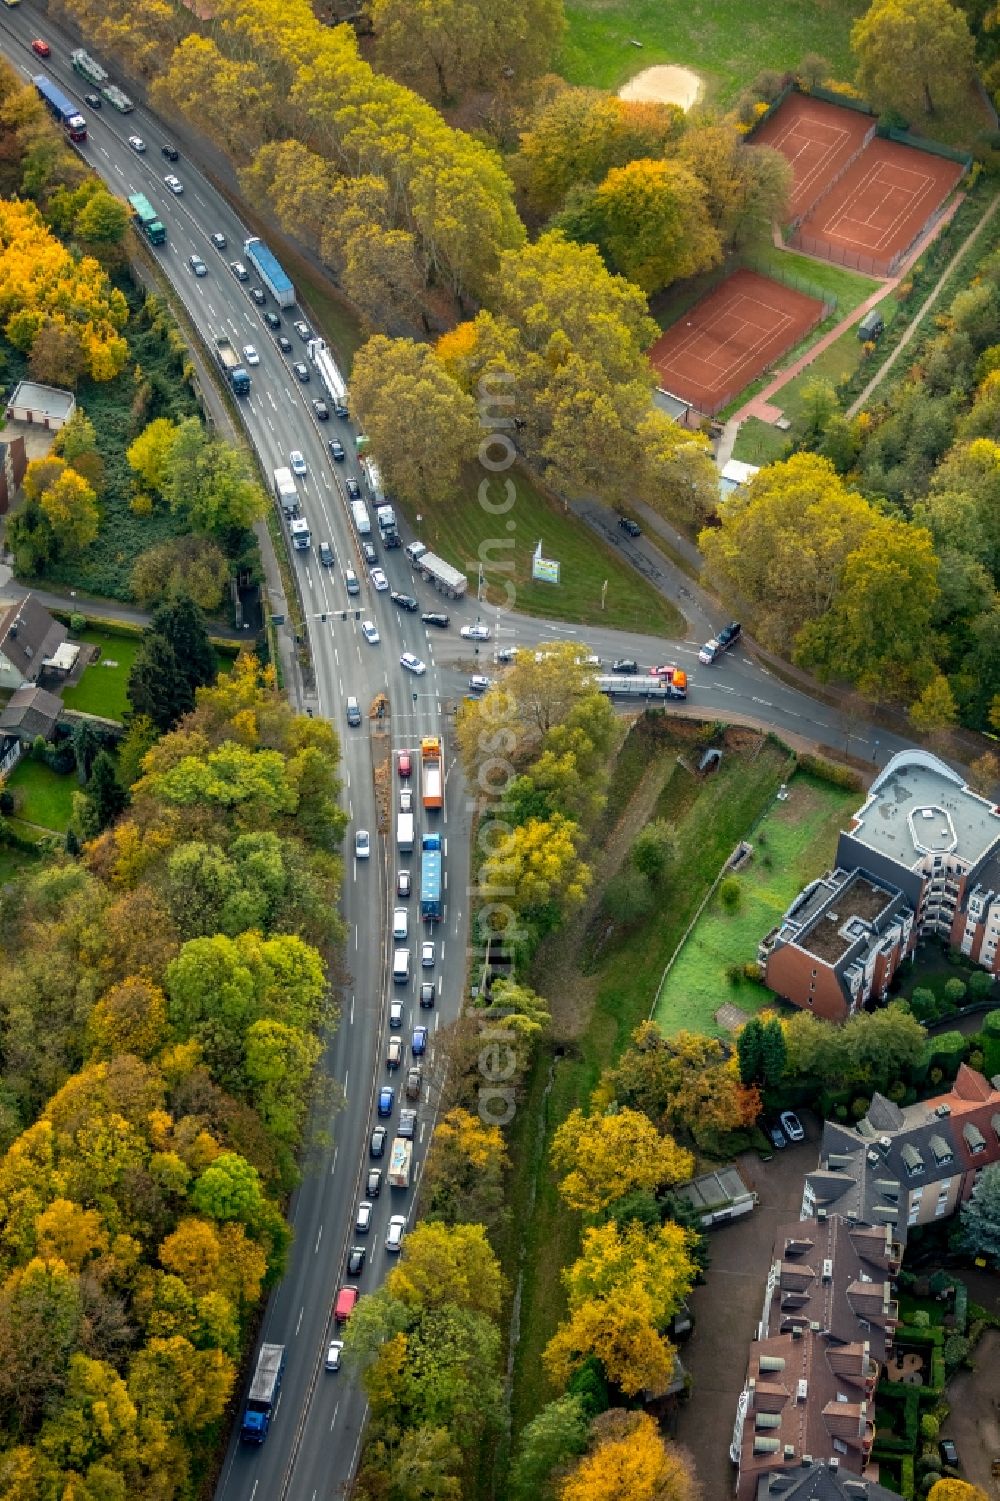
{"points": [[42, 48], [405, 765]]}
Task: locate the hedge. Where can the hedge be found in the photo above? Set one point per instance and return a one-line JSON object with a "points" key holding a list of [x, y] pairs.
{"points": [[830, 771]]}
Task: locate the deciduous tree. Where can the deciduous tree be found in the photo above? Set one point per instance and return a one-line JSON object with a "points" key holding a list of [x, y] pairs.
{"points": [[651, 221], [554, 1436], [448, 1264], [69, 505], [604, 1156], [913, 54], [935, 709], [629, 1459]]}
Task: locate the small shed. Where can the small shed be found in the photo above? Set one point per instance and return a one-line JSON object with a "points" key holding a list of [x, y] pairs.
{"points": [[46, 406], [735, 474], [718, 1197], [871, 327]]}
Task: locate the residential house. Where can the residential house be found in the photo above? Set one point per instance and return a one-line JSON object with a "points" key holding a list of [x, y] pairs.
{"points": [[30, 711], [921, 858], [820, 1482], [33, 645]]}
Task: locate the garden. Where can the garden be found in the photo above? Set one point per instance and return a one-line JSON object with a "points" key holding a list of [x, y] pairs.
{"points": [[103, 687]]}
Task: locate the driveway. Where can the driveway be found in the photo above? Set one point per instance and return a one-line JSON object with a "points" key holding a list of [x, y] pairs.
{"points": [[974, 1421], [727, 1308]]}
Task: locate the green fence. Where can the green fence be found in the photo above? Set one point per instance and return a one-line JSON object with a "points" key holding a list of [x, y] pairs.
{"points": [[921, 143], [830, 96], [794, 279]]}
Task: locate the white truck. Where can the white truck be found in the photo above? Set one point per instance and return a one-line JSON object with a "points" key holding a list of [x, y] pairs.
{"points": [[386, 518], [285, 492], [300, 534], [362, 520], [373, 477], [446, 580], [400, 1160], [329, 373], [404, 832]]}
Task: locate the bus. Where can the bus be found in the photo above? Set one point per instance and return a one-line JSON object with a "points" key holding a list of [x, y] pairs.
{"points": [[61, 108], [87, 68], [146, 217]]}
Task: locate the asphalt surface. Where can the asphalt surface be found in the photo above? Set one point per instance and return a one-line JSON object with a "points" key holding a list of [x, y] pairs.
{"points": [[313, 1444]]}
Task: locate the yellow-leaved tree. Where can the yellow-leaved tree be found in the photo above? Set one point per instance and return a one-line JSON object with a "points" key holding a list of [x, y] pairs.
{"points": [[606, 1156]]}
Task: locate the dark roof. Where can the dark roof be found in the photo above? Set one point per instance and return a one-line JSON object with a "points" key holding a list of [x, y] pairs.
{"points": [[817, 1482], [28, 635], [31, 711]]}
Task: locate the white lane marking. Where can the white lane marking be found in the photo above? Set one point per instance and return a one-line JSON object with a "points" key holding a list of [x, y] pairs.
{"points": [[318, 1239], [352, 1008], [298, 1324]]}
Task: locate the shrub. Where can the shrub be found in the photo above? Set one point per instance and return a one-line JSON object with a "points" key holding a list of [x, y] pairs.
{"points": [[751, 972], [6, 801], [929, 1426], [731, 893], [956, 1349], [921, 1319], [924, 1004], [955, 991], [829, 771], [859, 1107], [980, 985], [77, 622]]}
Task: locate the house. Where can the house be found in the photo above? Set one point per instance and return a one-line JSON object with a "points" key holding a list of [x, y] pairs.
{"points": [[47, 406], [825, 1331], [921, 858], [13, 463], [32, 644], [908, 1165], [31, 711], [820, 1482]]}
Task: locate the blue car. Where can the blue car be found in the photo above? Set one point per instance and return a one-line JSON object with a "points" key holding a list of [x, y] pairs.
{"points": [[386, 1100], [419, 1041]]}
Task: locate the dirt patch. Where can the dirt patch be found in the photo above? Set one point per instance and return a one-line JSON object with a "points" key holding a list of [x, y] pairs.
{"points": [[664, 84]]}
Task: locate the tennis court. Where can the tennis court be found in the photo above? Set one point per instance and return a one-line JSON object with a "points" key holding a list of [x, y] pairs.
{"points": [[728, 338], [883, 203], [818, 139]]}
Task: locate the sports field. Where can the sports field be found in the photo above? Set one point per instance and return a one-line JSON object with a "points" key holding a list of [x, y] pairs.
{"points": [[818, 139], [726, 340]]}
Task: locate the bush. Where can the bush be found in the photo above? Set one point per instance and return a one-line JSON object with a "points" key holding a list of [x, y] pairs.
{"points": [[859, 1107], [980, 985], [955, 991], [929, 1426], [77, 622], [6, 801], [956, 1349], [831, 772], [924, 1004], [921, 1319], [946, 1051], [731, 893]]}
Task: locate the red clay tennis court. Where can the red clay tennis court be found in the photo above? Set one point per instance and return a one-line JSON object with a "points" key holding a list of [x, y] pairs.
{"points": [[730, 336], [883, 203], [818, 139]]}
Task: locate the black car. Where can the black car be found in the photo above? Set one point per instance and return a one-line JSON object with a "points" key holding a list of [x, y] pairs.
{"points": [[729, 635], [352, 487], [356, 1261], [369, 554], [258, 296], [377, 1145], [949, 1453], [326, 555], [404, 601], [373, 1186], [94, 100], [436, 617], [271, 319], [625, 664], [427, 994], [322, 410], [219, 240], [301, 370], [628, 525], [336, 450], [283, 344], [777, 1137], [171, 153]]}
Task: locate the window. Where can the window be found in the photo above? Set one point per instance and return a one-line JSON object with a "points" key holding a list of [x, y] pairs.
{"points": [[839, 1446]]}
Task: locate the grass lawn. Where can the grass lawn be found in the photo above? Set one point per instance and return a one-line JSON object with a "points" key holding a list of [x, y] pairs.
{"points": [[759, 442], [710, 817], [102, 689], [727, 41], [817, 277], [794, 842], [41, 796], [464, 531], [13, 861]]}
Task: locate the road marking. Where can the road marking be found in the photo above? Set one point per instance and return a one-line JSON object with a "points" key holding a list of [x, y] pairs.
{"points": [[298, 1325], [332, 1421], [318, 1239], [346, 1076], [352, 1010], [333, 1164], [446, 849], [763, 703], [254, 1491]]}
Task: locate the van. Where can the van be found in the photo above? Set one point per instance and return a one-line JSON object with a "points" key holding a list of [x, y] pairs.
{"points": [[401, 966], [353, 711], [400, 924], [344, 1306], [404, 832]]}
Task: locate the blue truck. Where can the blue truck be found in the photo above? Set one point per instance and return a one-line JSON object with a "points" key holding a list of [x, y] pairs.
{"points": [[430, 878], [263, 1395], [268, 269], [61, 108]]}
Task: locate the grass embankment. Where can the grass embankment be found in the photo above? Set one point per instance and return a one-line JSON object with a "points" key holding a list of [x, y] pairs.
{"points": [[103, 688], [463, 531], [726, 41], [794, 843], [42, 796], [598, 1001]]}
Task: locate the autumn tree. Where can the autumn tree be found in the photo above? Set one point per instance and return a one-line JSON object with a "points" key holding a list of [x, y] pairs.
{"points": [[605, 1156], [56, 355], [191, 565], [555, 1435], [537, 866], [464, 1171], [935, 709], [444, 49], [650, 220], [422, 424], [448, 1264], [907, 48], [629, 1461], [747, 188], [949, 1489], [131, 1017], [685, 1082], [679, 477]]}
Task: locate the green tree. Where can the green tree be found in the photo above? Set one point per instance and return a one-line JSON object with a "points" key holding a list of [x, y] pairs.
{"points": [[554, 1436], [935, 709], [106, 798], [651, 221], [158, 686], [427, 1465], [906, 48], [750, 1050], [103, 220], [40, 1327], [229, 1189], [655, 849], [980, 1219], [774, 1052], [180, 622]]}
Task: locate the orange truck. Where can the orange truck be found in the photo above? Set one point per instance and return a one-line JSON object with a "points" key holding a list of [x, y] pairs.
{"points": [[432, 772]]}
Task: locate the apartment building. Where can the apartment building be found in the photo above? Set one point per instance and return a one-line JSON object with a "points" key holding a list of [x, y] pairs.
{"points": [[921, 858]]}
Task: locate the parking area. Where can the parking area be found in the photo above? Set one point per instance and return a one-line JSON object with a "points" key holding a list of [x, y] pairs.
{"points": [[973, 1424], [727, 1308]]}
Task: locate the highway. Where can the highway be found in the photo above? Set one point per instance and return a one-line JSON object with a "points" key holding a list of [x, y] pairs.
{"points": [[313, 1444]]}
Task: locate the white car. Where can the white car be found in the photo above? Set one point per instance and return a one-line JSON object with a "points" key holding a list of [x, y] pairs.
{"points": [[394, 1233], [394, 1053], [405, 800], [792, 1126], [250, 355], [412, 664], [363, 1222], [427, 955], [334, 1353], [400, 924], [370, 632], [395, 1013], [480, 684], [379, 580], [138, 144], [296, 462], [174, 184], [362, 845], [475, 632]]}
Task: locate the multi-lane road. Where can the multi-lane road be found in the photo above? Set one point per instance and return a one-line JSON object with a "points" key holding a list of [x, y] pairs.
{"points": [[313, 1444]]}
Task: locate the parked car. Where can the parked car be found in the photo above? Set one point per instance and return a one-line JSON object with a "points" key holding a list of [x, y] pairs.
{"points": [[792, 1126], [403, 883], [949, 1453], [628, 525], [777, 1137], [362, 845]]}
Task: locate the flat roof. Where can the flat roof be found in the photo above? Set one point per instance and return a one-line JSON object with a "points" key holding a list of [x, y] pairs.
{"points": [[50, 399], [918, 806], [849, 914]]}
